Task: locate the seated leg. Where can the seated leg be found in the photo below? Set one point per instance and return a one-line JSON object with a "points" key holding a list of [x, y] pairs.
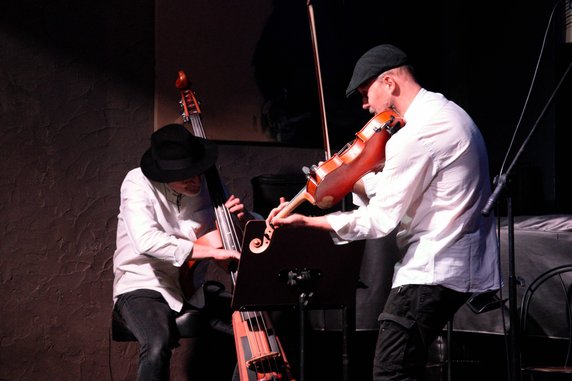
{"points": [[152, 322]]}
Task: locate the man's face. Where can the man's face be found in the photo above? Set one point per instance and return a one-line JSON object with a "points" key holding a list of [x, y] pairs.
{"points": [[375, 95], [188, 187]]}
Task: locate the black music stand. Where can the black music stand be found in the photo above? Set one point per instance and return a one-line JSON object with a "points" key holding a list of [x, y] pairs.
{"points": [[300, 268]]}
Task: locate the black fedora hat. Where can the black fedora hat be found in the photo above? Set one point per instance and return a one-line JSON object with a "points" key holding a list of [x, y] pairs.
{"points": [[176, 155]]}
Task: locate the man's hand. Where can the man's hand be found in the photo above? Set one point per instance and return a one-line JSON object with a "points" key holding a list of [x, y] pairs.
{"points": [[235, 206], [319, 222], [275, 211], [201, 251]]}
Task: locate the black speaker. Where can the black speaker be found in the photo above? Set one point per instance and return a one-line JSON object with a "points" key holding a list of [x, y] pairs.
{"points": [[267, 190]]}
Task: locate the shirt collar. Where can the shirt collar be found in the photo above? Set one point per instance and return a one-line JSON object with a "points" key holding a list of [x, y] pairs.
{"points": [[171, 195]]}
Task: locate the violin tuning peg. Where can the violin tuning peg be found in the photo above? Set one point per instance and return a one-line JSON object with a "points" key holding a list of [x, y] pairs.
{"points": [[306, 170]]}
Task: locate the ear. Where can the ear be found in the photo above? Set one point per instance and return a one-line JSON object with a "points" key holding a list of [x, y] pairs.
{"points": [[388, 80], [388, 84]]}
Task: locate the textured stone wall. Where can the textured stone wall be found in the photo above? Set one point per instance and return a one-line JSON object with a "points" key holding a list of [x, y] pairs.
{"points": [[76, 99], [76, 111]]}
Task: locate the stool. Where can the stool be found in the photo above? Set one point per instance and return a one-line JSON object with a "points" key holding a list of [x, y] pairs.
{"points": [[189, 323]]}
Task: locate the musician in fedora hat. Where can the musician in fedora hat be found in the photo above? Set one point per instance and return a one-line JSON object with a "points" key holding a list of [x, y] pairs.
{"points": [[165, 207]]}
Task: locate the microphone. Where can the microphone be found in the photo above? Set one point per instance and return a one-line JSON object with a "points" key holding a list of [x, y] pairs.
{"points": [[486, 211]]}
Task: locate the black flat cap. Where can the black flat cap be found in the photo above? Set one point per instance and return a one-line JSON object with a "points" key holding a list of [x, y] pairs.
{"points": [[374, 62]]}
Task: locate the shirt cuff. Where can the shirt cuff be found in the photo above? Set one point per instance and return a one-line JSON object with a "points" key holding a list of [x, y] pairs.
{"points": [[183, 251], [339, 223]]}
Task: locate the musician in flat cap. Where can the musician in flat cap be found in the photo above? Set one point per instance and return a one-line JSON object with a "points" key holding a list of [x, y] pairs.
{"points": [[432, 188]]}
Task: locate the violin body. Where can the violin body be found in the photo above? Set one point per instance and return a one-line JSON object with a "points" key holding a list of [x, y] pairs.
{"points": [[331, 181]]}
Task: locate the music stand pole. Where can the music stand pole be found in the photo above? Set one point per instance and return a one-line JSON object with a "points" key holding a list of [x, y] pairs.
{"points": [[515, 370], [302, 302]]}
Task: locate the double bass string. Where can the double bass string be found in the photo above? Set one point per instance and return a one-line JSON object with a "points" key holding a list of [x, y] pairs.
{"points": [[267, 359], [264, 359]]}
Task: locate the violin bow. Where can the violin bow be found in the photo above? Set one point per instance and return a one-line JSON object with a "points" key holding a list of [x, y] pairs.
{"points": [[319, 80]]}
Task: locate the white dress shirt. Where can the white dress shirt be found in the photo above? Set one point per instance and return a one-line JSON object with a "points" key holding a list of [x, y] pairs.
{"points": [[433, 186], [155, 234]]}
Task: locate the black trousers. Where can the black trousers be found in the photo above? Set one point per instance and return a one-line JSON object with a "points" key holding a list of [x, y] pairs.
{"points": [[152, 322], [413, 317]]}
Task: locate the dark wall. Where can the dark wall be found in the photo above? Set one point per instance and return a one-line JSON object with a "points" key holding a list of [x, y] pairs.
{"points": [[482, 55], [76, 99]]}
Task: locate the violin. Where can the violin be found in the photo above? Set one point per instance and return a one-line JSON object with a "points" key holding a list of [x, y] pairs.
{"points": [[259, 352], [328, 183]]}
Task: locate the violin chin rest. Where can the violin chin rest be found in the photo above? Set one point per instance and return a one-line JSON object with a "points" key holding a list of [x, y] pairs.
{"points": [[326, 202]]}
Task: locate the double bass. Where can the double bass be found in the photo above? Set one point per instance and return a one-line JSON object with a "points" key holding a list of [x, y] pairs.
{"points": [[260, 356]]}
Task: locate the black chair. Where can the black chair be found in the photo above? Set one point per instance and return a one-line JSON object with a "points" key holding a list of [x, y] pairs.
{"points": [[207, 325], [267, 190], [546, 326], [213, 303]]}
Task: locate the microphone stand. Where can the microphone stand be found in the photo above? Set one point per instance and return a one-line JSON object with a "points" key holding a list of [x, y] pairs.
{"points": [[503, 179]]}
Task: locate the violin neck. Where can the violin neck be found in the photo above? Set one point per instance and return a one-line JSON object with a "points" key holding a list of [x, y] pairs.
{"points": [[302, 196]]}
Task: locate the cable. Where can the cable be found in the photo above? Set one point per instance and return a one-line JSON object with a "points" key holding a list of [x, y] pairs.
{"points": [[110, 367], [529, 90]]}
